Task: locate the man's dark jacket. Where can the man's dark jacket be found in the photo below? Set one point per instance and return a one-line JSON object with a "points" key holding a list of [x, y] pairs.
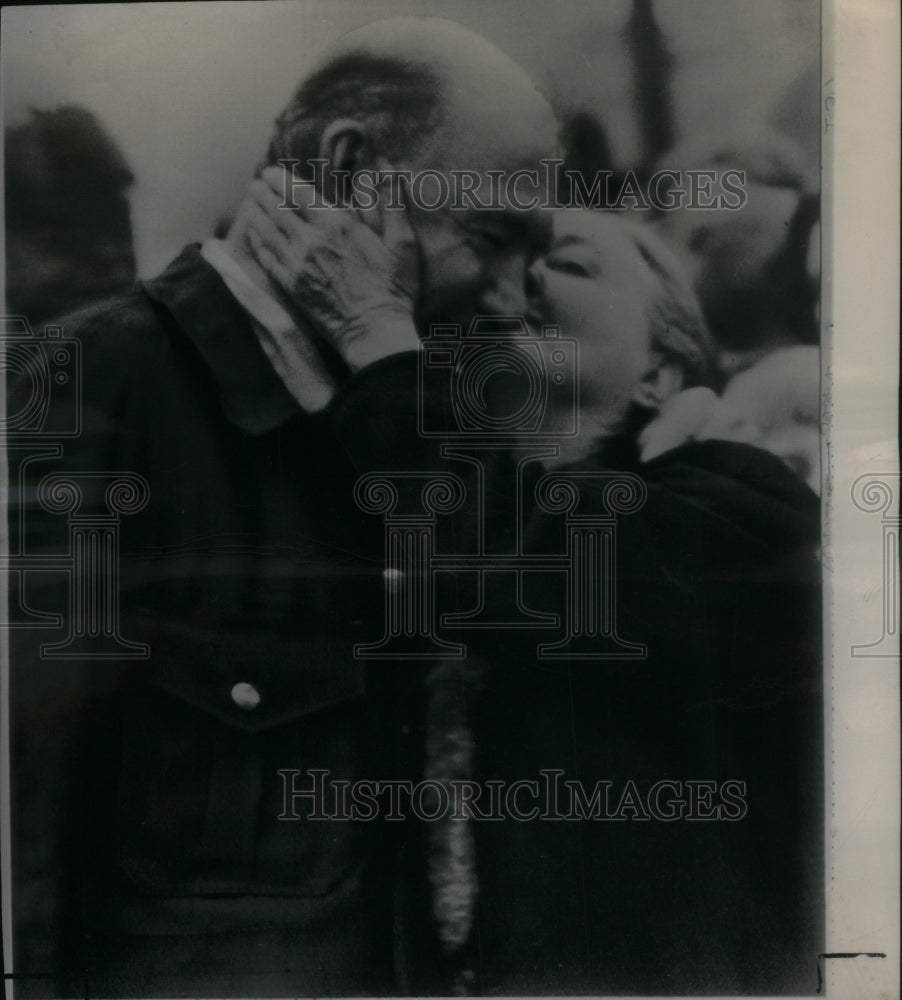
{"points": [[148, 856]]}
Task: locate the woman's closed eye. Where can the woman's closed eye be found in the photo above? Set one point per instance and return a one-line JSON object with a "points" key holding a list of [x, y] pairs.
{"points": [[567, 265]]}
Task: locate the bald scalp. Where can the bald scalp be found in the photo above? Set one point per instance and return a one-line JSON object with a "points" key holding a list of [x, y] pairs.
{"points": [[404, 77]]}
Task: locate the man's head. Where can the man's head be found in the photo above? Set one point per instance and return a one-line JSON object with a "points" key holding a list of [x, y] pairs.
{"points": [[620, 293], [426, 93]]}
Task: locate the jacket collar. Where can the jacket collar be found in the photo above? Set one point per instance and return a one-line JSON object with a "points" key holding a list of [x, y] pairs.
{"points": [[253, 396]]}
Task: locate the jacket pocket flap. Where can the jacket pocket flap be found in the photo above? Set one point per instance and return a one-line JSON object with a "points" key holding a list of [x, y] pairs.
{"points": [[250, 680]]}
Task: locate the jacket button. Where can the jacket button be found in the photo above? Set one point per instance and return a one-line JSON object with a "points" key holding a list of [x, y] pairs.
{"points": [[245, 696]]}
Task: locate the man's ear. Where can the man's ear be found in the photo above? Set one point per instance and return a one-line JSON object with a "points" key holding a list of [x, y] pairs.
{"points": [[345, 146], [663, 380]]}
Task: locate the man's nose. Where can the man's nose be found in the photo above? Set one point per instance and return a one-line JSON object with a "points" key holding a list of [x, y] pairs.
{"points": [[535, 292], [505, 294], [534, 283]]}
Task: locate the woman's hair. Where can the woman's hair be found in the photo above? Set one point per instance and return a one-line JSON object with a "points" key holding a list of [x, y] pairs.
{"points": [[678, 325]]}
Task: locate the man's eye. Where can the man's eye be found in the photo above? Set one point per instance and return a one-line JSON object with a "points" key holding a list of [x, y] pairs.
{"points": [[565, 266], [494, 238]]}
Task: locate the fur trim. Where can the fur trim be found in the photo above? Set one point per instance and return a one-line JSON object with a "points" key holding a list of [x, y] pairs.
{"points": [[449, 756]]}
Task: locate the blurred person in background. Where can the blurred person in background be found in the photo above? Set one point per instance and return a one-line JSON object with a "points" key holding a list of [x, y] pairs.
{"points": [[774, 404], [68, 222], [751, 267]]}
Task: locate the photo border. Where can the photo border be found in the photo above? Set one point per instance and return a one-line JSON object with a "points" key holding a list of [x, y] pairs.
{"points": [[859, 290]]}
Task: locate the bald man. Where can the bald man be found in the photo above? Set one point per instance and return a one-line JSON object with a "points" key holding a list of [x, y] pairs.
{"points": [[154, 852]]}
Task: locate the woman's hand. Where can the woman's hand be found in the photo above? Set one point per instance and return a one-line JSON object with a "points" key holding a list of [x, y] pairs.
{"points": [[354, 281]]}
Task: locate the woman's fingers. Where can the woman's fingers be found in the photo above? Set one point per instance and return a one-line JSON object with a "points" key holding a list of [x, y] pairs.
{"points": [[381, 236], [279, 243], [269, 260], [355, 283], [280, 195], [397, 232], [283, 253], [284, 219], [391, 224], [291, 193], [263, 197]]}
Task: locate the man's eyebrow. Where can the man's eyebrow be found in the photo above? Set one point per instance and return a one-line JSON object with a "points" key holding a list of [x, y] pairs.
{"points": [[530, 227]]}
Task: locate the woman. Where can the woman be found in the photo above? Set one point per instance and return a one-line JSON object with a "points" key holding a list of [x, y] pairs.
{"points": [[695, 668]]}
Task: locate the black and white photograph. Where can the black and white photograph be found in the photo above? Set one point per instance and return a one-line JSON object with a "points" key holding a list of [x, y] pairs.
{"points": [[451, 531]]}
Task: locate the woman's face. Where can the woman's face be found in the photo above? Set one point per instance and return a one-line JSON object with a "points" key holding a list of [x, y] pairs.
{"points": [[595, 285]]}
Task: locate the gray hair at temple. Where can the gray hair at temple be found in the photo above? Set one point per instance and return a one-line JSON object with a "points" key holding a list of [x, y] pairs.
{"points": [[399, 101]]}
